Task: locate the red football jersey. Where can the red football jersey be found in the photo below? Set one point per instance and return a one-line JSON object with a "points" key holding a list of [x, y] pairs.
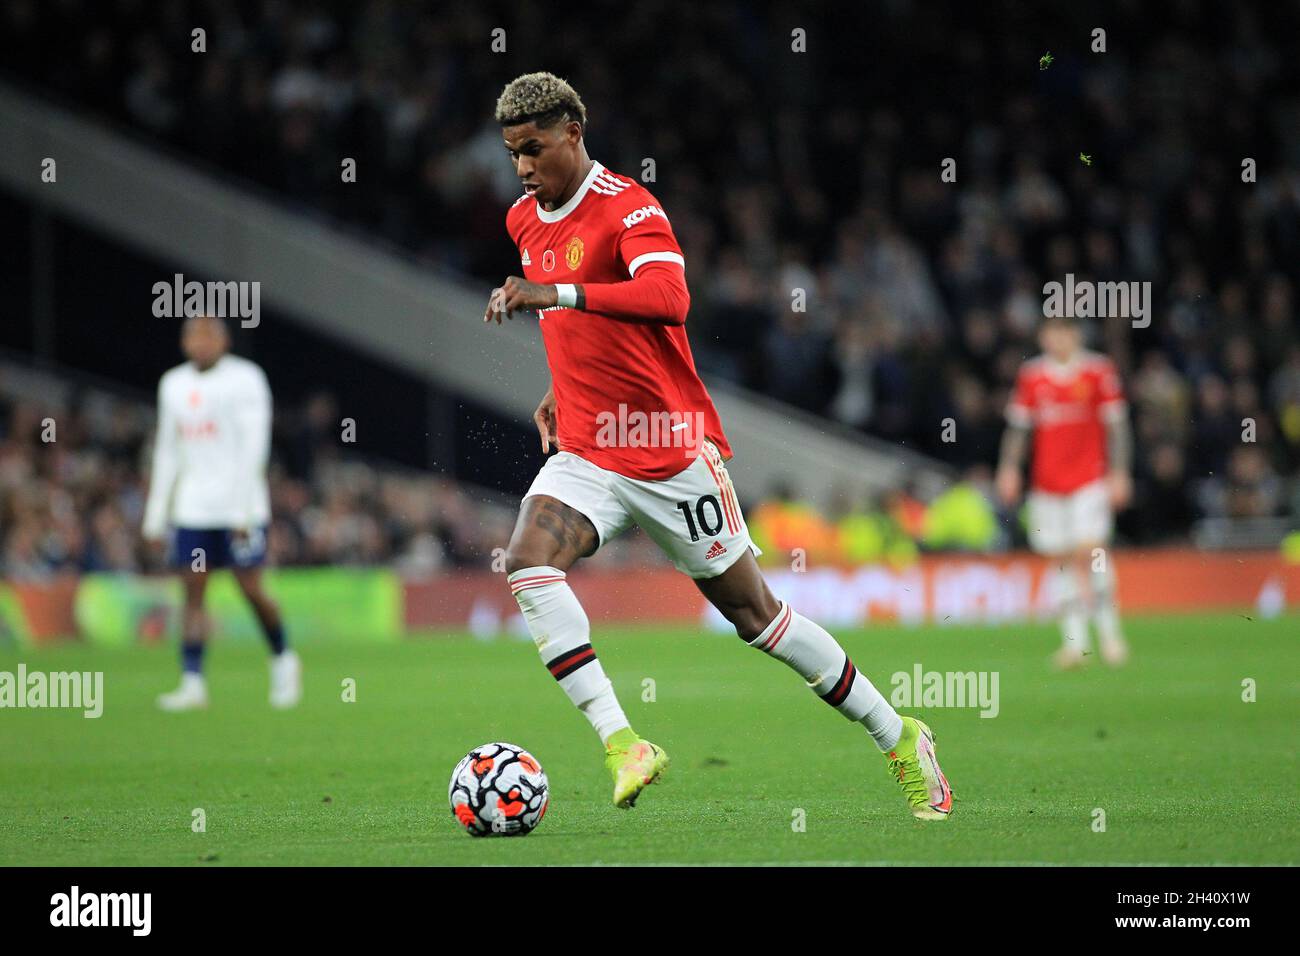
{"points": [[1067, 406], [627, 395]]}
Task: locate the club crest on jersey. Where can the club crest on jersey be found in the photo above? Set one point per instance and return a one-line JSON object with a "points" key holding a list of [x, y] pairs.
{"points": [[548, 260], [573, 253], [526, 260]]}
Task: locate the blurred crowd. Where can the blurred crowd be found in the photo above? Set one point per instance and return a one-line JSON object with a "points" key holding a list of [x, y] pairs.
{"points": [[814, 177], [74, 472], [894, 530], [74, 469]]}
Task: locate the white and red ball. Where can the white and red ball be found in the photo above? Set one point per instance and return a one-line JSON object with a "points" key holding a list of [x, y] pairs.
{"points": [[498, 789]]}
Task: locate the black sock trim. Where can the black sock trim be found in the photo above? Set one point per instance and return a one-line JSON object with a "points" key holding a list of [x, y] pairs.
{"points": [[568, 662], [839, 693]]}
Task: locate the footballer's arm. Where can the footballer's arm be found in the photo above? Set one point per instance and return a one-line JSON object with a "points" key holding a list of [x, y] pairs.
{"points": [[1119, 458], [253, 425], [164, 471], [1011, 458], [656, 295]]}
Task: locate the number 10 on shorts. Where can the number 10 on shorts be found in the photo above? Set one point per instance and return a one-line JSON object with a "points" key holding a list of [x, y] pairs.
{"points": [[709, 526]]}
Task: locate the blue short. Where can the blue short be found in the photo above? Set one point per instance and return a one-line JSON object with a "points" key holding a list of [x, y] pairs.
{"points": [[219, 547]]}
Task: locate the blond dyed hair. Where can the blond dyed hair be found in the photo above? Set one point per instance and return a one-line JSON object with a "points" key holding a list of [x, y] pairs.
{"points": [[541, 98]]}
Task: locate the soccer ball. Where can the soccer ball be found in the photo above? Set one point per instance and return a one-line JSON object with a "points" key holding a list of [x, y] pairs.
{"points": [[498, 789]]}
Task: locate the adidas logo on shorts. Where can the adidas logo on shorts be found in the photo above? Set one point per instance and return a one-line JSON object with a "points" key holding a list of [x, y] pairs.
{"points": [[715, 550]]}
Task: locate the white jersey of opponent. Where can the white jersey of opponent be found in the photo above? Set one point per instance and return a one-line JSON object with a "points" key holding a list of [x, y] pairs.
{"points": [[210, 454]]}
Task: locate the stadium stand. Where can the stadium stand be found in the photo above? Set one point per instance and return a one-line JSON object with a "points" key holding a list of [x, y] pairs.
{"points": [[923, 296]]}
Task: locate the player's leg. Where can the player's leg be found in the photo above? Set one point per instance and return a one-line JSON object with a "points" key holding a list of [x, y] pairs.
{"points": [[549, 537], [1104, 605], [264, 608], [194, 621], [696, 518], [1093, 523], [1049, 535], [772, 626], [286, 667], [566, 515], [549, 533], [1069, 571], [189, 555]]}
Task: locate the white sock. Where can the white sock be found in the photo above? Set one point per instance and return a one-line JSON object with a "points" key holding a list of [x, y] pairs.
{"points": [[1105, 609], [1071, 608], [563, 637], [817, 657]]}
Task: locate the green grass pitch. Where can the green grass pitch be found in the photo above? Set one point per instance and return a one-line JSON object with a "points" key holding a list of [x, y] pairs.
{"points": [[1186, 772]]}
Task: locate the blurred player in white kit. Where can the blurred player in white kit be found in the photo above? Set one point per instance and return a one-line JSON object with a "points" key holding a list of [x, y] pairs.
{"points": [[208, 492]]}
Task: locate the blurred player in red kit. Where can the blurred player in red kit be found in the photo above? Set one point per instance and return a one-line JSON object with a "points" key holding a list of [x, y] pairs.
{"points": [[1071, 402], [640, 442]]}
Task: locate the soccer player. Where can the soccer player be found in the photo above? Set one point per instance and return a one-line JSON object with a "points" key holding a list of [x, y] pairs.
{"points": [[639, 442], [1070, 399], [209, 486]]}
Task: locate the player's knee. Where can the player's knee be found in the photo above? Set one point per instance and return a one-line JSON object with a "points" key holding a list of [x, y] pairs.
{"points": [[751, 618], [742, 597], [195, 584], [259, 599], [520, 557], [250, 583]]}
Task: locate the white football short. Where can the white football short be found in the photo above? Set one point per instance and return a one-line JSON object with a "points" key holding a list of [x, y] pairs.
{"points": [[1059, 524], [693, 516]]}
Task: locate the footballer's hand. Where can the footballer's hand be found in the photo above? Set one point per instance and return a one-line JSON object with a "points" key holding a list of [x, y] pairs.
{"points": [[494, 310], [1120, 488], [1008, 485], [544, 418], [518, 295]]}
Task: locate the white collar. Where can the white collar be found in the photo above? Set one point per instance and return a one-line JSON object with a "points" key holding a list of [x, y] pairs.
{"points": [[555, 215], [1057, 369]]}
